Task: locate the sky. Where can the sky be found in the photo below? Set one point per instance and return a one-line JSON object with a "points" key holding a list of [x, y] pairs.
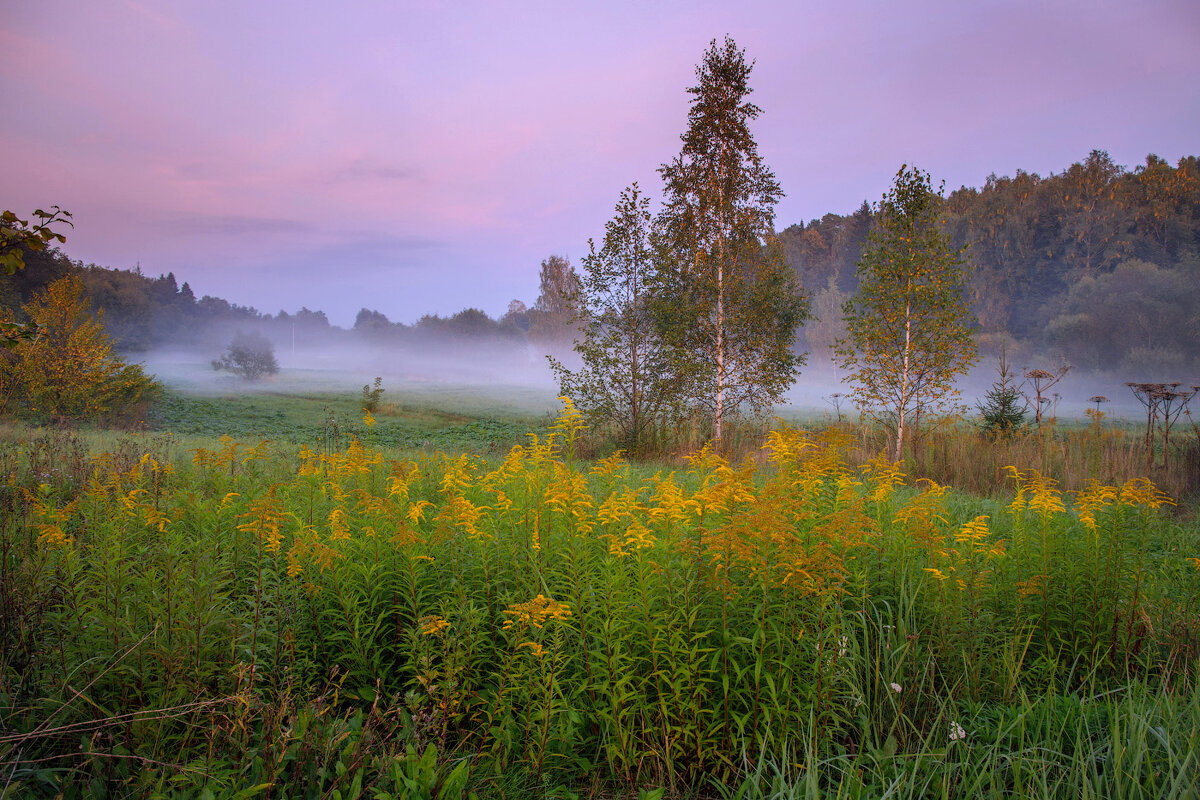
{"points": [[425, 157]]}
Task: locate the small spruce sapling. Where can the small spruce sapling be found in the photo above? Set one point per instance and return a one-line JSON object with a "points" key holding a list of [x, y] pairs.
{"points": [[1002, 411]]}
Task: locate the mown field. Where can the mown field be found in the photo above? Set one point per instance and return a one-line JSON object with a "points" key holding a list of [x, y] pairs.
{"points": [[432, 603]]}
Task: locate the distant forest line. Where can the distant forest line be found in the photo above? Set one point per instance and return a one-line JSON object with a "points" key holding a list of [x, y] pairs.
{"points": [[1097, 267]]}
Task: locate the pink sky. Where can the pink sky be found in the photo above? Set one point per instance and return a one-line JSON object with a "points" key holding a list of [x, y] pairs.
{"points": [[417, 157]]}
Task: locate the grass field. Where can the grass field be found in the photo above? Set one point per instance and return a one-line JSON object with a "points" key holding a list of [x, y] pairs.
{"points": [[438, 604]]}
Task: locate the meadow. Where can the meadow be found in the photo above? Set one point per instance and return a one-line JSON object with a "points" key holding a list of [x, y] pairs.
{"points": [[435, 601]]}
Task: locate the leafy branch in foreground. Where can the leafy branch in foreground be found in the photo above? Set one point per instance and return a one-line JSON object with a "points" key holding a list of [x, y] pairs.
{"points": [[16, 236]]}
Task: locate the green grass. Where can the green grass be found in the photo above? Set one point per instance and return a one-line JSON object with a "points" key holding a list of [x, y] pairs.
{"points": [[314, 419]]}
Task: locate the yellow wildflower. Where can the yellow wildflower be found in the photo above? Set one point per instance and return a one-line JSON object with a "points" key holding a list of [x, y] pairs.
{"points": [[536, 612], [339, 525], [433, 625], [537, 649], [264, 518], [607, 467], [1093, 499], [973, 532], [1141, 492], [416, 511], [638, 536]]}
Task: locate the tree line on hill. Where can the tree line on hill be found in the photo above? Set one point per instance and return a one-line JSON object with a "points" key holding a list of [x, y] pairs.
{"points": [[143, 312], [1097, 266]]}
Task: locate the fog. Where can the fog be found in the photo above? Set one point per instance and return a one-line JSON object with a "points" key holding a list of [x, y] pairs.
{"points": [[508, 377], [516, 382]]}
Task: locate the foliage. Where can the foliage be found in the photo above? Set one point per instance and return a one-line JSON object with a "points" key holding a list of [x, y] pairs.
{"points": [[1146, 312], [729, 300], [371, 397], [249, 615], [552, 319], [17, 237], [630, 377], [909, 333], [249, 354], [1002, 411], [68, 370], [1031, 240]]}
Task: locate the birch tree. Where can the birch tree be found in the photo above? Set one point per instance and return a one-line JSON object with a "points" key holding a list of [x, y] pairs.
{"points": [[731, 301], [629, 377], [909, 332]]}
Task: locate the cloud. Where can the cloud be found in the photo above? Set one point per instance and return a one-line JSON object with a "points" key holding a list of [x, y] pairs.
{"points": [[372, 246], [369, 169], [234, 225]]}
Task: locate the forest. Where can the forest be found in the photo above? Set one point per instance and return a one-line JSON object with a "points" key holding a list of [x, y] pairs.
{"points": [[1097, 266]]}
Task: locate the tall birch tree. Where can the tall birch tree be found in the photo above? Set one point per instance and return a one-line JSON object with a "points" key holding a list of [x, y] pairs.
{"points": [[909, 331], [729, 298]]}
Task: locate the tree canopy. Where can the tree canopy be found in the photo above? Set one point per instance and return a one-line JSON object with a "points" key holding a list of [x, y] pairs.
{"points": [[68, 370], [630, 377], [730, 299], [909, 332]]}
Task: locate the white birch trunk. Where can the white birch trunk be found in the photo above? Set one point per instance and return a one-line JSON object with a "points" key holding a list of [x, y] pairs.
{"points": [[904, 381]]}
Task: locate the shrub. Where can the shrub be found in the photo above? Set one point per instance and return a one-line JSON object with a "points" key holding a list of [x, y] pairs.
{"points": [[68, 370], [250, 355], [371, 397]]}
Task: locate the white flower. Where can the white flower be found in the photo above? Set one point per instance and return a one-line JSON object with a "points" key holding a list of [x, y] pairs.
{"points": [[956, 732], [843, 643], [895, 687]]}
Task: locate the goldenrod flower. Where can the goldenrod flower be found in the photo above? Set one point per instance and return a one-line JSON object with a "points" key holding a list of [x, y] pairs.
{"points": [[973, 532], [416, 511], [339, 525], [536, 612], [1141, 492], [265, 518], [1093, 499], [606, 467], [433, 626]]}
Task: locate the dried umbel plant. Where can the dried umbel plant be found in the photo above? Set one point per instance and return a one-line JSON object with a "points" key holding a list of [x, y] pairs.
{"points": [[1042, 380]]}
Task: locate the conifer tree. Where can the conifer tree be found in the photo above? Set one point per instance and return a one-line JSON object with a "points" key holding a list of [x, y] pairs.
{"points": [[1002, 411]]}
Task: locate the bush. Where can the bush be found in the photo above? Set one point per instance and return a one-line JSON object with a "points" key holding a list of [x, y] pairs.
{"points": [[250, 355], [67, 371], [371, 397]]}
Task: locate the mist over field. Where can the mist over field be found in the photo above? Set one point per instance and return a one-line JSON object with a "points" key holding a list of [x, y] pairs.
{"points": [[516, 381], [516, 378]]}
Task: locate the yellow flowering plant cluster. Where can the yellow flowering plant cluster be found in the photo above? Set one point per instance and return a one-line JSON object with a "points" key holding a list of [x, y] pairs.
{"points": [[535, 609]]}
